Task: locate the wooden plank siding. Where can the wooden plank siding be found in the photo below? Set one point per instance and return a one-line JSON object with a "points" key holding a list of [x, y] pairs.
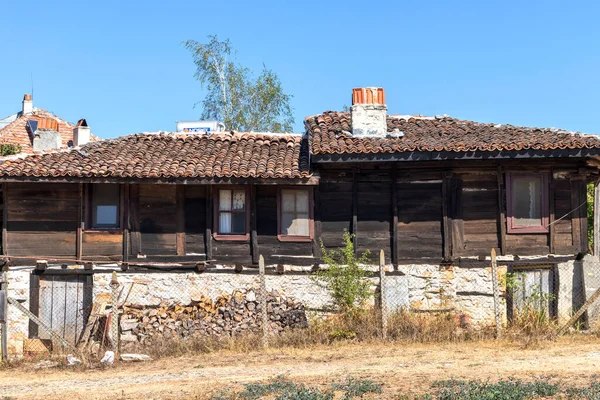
{"points": [[41, 219], [433, 213]]}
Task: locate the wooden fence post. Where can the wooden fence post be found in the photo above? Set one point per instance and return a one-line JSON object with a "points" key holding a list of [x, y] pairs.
{"points": [[114, 325], [4, 324], [496, 294], [383, 295], [263, 301]]}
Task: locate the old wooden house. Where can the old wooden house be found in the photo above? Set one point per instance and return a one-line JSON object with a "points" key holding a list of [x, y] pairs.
{"points": [[430, 191]]}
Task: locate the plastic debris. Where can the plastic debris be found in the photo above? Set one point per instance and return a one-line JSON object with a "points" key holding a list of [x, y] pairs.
{"points": [[72, 360], [109, 358]]}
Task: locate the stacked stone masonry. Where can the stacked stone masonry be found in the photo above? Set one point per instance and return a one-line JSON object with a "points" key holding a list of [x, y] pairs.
{"points": [[466, 291]]}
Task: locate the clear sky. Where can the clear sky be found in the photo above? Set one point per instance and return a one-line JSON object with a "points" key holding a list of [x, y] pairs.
{"points": [[121, 65]]}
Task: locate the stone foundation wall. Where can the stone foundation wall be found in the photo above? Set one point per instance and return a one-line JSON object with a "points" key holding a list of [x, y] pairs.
{"points": [[463, 290]]}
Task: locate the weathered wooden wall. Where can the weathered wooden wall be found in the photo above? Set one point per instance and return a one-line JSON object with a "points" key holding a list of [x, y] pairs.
{"points": [[413, 212], [41, 219]]}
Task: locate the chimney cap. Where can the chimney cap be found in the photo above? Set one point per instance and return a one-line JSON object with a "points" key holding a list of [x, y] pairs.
{"points": [[82, 122], [27, 97], [368, 95]]}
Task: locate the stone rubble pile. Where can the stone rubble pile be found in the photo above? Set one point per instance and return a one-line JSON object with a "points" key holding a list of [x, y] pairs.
{"points": [[236, 313]]}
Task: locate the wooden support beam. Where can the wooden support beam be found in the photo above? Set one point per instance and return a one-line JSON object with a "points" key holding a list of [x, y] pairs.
{"points": [[456, 214], [253, 236], [355, 209], [180, 219], [447, 239], [575, 222], [501, 212], [552, 216], [316, 243], [134, 220], [4, 219], [80, 223], [596, 219], [209, 223], [585, 244], [126, 222], [395, 244]]}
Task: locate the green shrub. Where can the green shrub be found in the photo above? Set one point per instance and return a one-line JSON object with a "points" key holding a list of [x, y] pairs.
{"points": [[7, 149], [345, 279]]}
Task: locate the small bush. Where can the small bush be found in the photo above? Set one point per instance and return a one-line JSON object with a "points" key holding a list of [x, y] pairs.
{"points": [[345, 279]]}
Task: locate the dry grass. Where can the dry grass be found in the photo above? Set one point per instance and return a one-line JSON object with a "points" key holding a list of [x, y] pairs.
{"points": [[531, 327], [403, 326]]}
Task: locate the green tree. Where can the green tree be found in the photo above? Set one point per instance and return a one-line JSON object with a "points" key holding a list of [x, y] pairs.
{"points": [[242, 102], [345, 278]]}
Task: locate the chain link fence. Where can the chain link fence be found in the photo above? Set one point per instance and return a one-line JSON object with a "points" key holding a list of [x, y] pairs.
{"points": [[61, 311]]}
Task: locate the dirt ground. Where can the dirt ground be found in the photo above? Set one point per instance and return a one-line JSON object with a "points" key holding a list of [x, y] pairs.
{"points": [[402, 368]]}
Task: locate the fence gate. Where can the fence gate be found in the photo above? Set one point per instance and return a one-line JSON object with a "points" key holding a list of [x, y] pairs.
{"points": [[534, 288], [64, 303]]}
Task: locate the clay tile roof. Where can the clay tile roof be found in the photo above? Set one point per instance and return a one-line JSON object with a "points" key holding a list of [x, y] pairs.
{"points": [[171, 156], [329, 133], [17, 132]]}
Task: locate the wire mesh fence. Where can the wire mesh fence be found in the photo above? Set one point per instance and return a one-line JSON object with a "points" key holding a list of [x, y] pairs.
{"points": [[61, 311]]}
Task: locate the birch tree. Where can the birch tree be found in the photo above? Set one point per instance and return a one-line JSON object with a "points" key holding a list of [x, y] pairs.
{"points": [[234, 96]]}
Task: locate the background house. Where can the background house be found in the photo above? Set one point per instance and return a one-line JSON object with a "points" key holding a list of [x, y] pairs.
{"points": [[35, 129]]}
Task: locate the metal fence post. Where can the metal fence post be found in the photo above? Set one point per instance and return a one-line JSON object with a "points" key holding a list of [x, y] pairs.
{"points": [[382, 294], [263, 301], [496, 293], [4, 324], [114, 326]]}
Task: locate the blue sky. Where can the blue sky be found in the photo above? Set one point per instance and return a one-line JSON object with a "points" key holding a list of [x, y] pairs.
{"points": [[121, 65]]}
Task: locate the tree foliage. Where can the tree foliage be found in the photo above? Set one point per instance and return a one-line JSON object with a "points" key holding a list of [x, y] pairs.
{"points": [[345, 278], [235, 97]]}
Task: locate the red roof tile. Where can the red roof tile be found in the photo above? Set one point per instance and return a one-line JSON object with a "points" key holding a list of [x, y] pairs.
{"points": [[17, 132], [329, 133], [168, 155]]}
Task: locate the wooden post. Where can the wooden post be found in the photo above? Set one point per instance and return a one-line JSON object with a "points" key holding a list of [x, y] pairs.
{"points": [[383, 295], [316, 244], [575, 223], [585, 244], [253, 235], [501, 213], [4, 219], [447, 240], [263, 301], [180, 219], [209, 223], [114, 326], [394, 216], [126, 223], [596, 220], [4, 324], [497, 314], [80, 224], [355, 210], [134, 220], [551, 227]]}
